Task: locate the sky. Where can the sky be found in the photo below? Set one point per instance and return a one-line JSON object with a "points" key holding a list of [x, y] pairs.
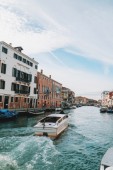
{"points": [[71, 39]]}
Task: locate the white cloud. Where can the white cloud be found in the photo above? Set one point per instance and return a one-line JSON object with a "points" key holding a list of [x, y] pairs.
{"points": [[15, 28], [81, 81], [81, 27]]}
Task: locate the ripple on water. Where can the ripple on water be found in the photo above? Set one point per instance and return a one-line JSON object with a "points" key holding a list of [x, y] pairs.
{"points": [[7, 163], [28, 153], [80, 147]]}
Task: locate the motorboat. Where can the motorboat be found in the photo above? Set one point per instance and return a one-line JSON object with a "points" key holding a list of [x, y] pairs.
{"points": [[5, 114], [110, 110], [72, 107], [107, 160], [103, 109], [52, 125]]}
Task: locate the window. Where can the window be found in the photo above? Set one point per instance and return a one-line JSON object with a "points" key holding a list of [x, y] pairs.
{"points": [[28, 100], [36, 66], [16, 99], [25, 100], [28, 62], [29, 77], [15, 56], [13, 87], [31, 64], [14, 71], [19, 58], [0, 98], [2, 84], [12, 99], [24, 60], [35, 79], [4, 50], [34, 90], [3, 68]]}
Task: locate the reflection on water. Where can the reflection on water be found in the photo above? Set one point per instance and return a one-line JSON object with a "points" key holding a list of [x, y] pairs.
{"points": [[80, 147]]}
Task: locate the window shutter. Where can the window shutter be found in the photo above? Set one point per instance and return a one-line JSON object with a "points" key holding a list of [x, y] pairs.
{"points": [[4, 68]]}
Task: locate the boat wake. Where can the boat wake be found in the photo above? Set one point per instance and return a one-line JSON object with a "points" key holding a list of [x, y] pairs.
{"points": [[20, 153], [6, 163]]}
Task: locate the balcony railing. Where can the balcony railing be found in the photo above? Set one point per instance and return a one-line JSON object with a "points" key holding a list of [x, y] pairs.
{"points": [[23, 80], [22, 92]]}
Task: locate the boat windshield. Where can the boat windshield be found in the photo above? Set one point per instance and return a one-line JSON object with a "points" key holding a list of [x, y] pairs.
{"points": [[50, 119]]}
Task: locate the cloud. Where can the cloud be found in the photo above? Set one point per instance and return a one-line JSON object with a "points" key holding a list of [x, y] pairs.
{"points": [[16, 24], [45, 26], [79, 27], [82, 82]]}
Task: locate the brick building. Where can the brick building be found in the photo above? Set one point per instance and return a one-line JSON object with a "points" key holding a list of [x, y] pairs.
{"points": [[48, 91], [68, 97]]}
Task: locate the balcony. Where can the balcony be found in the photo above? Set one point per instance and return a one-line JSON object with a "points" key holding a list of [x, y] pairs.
{"points": [[22, 92], [23, 80]]}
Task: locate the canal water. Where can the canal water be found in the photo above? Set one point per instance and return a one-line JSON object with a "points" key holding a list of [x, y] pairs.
{"points": [[80, 147]]}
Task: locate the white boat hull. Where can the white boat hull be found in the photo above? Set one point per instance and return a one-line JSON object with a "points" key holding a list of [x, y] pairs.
{"points": [[51, 131]]}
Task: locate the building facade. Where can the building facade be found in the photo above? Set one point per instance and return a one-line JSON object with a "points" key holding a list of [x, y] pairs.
{"points": [[68, 97], [18, 75], [48, 91], [105, 98], [79, 100]]}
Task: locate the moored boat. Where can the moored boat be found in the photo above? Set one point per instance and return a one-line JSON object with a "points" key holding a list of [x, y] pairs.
{"points": [[110, 110], [33, 113], [103, 109], [107, 160], [52, 125], [58, 109], [5, 114]]}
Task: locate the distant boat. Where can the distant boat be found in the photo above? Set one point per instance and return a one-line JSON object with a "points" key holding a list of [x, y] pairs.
{"points": [[35, 113], [58, 109], [103, 109], [5, 114], [73, 107], [52, 125], [107, 160], [110, 110]]}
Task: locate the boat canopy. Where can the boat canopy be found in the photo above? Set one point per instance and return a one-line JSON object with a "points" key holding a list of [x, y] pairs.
{"points": [[108, 158], [53, 118], [50, 119]]}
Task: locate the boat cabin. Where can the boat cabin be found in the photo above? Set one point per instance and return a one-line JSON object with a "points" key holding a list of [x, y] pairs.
{"points": [[53, 118], [50, 119]]}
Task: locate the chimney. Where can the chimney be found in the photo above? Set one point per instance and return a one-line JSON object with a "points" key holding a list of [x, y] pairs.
{"points": [[41, 71], [18, 48], [50, 76]]}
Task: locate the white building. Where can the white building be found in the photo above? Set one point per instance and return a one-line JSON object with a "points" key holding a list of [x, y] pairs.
{"points": [[105, 98], [18, 74]]}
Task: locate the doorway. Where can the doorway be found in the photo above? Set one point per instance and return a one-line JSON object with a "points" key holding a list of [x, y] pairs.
{"points": [[30, 103], [6, 101]]}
